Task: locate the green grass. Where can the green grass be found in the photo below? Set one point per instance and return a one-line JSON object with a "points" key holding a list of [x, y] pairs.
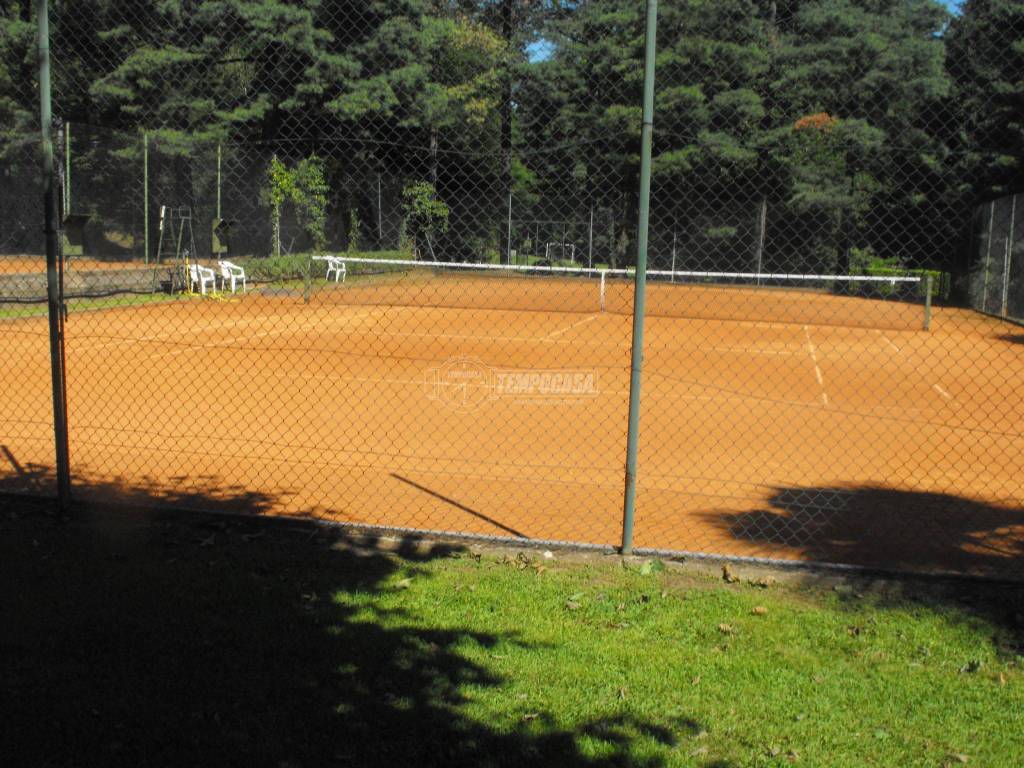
{"points": [[168, 640], [941, 281], [293, 266], [819, 677], [531, 261], [14, 311]]}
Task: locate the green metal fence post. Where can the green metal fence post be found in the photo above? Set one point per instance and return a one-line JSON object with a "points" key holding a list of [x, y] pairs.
{"points": [[928, 287], [54, 299], [67, 167], [640, 286], [218, 178], [307, 283], [145, 197]]}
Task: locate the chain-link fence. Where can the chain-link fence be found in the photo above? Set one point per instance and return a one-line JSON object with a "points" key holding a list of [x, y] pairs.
{"points": [[374, 263], [997, 259]]}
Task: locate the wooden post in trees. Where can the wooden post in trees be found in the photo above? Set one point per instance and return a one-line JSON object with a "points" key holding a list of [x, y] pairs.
{"points": [[763, 220], [433, 157]]}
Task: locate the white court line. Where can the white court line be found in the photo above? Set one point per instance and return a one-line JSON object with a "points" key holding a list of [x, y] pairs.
{"points": [[308, 377], [656, 394], [938, 388], [155, 336], [651, 347], [551, 336], [817, 368], [475, 337], [226, 343], [445, 337], [887, 341]]}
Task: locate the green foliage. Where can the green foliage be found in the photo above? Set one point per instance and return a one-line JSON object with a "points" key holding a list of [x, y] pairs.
{"points": [[275, 268], [721, 233], [426, 215], [986, 55], [311, 197], [280, 183], [353, 229], [404, 240], [941, 281], [293, 266], [927, 104], [305, 187]]}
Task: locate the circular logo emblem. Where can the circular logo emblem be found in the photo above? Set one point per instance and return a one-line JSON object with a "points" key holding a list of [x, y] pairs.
{"points": [[463, 383]]}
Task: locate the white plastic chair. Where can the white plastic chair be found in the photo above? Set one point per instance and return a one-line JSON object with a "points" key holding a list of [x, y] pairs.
{"points": [[231, 273], [201, 276], [336, 265]]}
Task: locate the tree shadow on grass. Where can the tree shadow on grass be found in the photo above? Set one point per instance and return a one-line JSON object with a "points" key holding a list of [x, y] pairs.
{"points": [[905, 531], [141, 637]]}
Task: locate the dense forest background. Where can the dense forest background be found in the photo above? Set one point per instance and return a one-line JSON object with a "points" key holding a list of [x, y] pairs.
{"points": [[791, 135]]}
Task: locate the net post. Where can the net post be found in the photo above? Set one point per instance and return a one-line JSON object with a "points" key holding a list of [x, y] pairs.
{"points": [[604, 276], [54, 297], [637, 354], [928, 302]]}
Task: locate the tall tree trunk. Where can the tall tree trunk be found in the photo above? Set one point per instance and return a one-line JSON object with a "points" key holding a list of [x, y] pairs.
{"points": [[843, 250], [846, 222], [612, 254]]}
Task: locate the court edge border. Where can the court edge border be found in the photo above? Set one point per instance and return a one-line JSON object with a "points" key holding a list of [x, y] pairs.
{"points": [[439, 536]]}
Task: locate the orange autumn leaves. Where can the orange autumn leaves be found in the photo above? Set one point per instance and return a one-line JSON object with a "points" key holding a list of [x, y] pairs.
{"points": [[819, 121]]}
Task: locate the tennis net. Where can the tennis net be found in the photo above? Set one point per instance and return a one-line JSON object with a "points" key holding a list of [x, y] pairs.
{"points": [[860, 301]]}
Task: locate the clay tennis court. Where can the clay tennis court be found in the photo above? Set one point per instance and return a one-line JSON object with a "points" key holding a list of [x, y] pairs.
{"points": [[36, 264], [409, 403]]}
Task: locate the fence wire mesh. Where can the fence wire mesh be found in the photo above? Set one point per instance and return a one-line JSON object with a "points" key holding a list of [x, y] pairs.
{"points": [[373, 262]]}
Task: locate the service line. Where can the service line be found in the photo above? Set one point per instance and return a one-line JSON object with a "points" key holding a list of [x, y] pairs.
{"points": [[887, 341], [817, 368], [578, 323]]}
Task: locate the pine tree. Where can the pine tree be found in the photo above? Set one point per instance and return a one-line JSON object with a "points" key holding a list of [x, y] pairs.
{"points": [[987, 61]]}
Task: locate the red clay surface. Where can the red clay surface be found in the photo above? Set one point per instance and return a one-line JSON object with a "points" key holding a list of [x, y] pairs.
{"points": [[37, 264], [794, 440]]}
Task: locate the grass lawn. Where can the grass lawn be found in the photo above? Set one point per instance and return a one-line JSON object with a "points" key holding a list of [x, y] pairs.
{"points": [[159, 639], [14, 311]]}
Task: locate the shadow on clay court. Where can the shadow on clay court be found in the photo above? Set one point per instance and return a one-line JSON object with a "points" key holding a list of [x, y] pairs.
{"points": [[460, 506], [175, 638], [1013, 338], [887, 529]]}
